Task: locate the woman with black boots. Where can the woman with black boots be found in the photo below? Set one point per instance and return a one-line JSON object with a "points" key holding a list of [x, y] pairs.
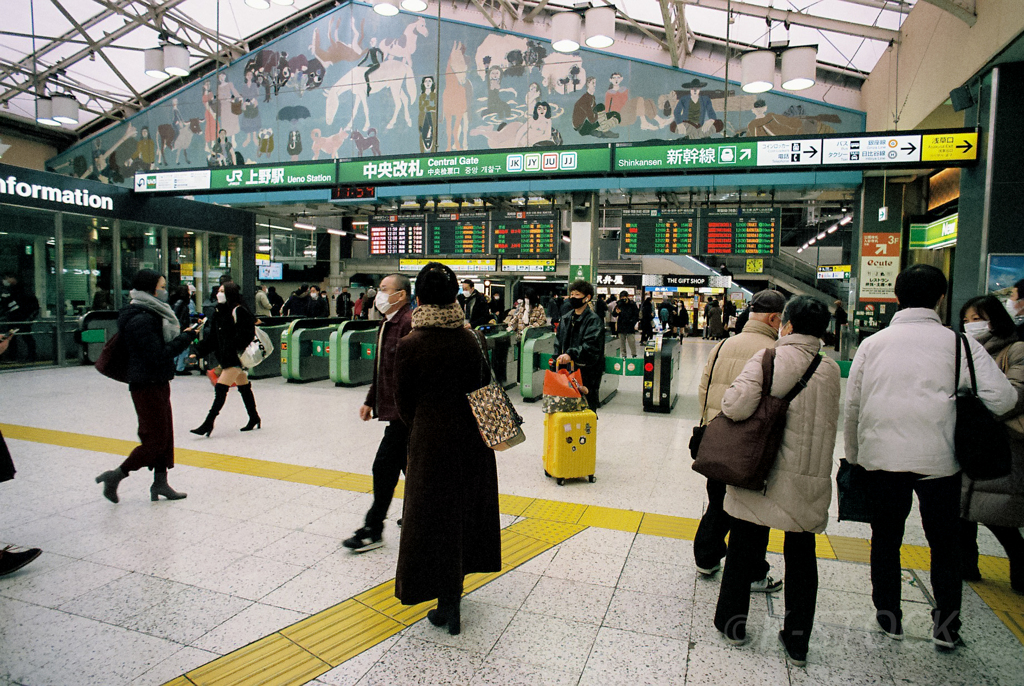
{"points": [[151, 338], [232, 329]]}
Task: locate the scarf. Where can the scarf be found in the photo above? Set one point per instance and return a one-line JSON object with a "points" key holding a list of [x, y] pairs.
{"points": [[171, 327], [438, 317], [526, 313]]}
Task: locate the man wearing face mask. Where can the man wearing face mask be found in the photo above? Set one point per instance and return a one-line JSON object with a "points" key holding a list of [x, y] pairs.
{"points": [[724, 364], [392, 301], [474, 304], [580, 339], [317, 305], [1015, 306]]}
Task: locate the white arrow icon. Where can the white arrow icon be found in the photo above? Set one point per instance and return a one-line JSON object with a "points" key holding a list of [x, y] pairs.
{"points": [[745, 154], [881, 250]]}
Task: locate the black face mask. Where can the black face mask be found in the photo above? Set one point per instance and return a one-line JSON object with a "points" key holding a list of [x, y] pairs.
{"points": [[575, 303]]}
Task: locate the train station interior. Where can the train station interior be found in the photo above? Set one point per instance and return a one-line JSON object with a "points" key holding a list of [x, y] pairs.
{"points": [[688, 152]]}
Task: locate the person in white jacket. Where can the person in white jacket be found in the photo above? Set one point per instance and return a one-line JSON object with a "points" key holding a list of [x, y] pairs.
{"points": [[900, 416]]}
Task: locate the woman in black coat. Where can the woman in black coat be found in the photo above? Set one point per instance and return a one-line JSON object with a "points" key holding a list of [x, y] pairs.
{"points": [[232, 329], [151, 337], [450, 524]]}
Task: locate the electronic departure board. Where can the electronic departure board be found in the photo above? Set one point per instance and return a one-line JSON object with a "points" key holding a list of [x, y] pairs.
{"points": [[526, 234], [749, 231], [659, 232], [457, 233], [396, 234]]}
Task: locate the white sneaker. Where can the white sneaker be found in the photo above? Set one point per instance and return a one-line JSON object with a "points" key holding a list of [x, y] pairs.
{"points": [[766, 585], [708, 571]]}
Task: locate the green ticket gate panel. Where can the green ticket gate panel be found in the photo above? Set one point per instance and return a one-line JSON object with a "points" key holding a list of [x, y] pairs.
{"points": [[501, 354], [94, 330], [661, 361], [353, 352], [271, 366], [609, 382], [537, 350], [305, 349]]}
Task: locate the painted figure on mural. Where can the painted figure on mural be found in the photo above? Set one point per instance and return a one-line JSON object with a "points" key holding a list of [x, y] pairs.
{"points": [[294, 148], [394, 76], [337, 50], [329, 145], [455, 98], [538, 131], [209, 116], [250, 120], [372, 59], [427, 121], [266, 142], [402, 48], [230, 107], [616, 96], [695, 117], [767, 124], [589, 118], [497, 110], [145, 152]]}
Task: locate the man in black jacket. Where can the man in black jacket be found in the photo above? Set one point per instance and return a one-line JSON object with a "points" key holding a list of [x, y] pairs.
{"points": [[317, 305], [628, 317], [580, 339], [474, 304]]}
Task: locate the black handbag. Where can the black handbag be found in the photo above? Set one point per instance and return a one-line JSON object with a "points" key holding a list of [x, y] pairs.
{"points": [[980, 442], [698, 431], [113, 360], [852, 488]]}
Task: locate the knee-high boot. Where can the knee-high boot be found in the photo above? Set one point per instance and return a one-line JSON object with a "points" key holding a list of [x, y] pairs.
{"points": [[250, 406], [220, 395]]}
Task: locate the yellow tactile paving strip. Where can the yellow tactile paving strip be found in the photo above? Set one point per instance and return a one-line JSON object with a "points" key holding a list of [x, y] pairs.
{"points": [[303, 651]]}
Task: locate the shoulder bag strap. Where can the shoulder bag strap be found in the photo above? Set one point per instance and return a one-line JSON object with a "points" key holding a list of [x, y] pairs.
{"points": [[956, 364], [483, 353], [711, 377], [768, 371], [804, 380], [970, 365]]}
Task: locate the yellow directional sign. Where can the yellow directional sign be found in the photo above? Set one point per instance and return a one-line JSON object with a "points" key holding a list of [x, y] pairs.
{"points": [[942, 147]]}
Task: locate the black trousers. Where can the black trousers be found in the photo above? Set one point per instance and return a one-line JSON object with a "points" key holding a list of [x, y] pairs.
{"points": [[747, 546], [892, 496], [388, 466], [156, 428], [709, 543], [1009, 537], [592, 380]]}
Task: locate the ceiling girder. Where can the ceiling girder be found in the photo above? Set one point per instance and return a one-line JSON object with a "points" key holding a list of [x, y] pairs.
{"points": [[966, 14], [888, 5], [668, 10], [536, 10], [800, 19]]}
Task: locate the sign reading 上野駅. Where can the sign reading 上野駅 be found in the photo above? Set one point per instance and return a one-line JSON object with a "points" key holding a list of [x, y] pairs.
{"points": [[257, 177], [463, 266], [833, 271], [486, 166], [938, 234], [516, 265], [879, 266]]}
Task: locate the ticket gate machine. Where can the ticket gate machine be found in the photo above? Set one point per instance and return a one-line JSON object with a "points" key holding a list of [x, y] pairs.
{"points": [[94, 330], [501, 353], [353, 352], [305, 349], [661, 360], [609, 381], [533, 362]]}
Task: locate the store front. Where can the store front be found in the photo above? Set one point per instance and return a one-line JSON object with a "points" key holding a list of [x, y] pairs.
{"points": [[69, 247]]}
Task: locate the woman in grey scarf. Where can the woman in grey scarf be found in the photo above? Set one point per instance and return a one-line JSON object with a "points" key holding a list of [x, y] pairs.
{"points": [[151, 338]]}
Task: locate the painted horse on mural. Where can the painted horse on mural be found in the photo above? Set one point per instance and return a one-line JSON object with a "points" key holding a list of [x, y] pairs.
{"points": [[404, 47], [391, 75], [336, 50], [455, 98]]}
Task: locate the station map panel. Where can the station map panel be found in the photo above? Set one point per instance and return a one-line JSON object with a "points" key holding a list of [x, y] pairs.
{"points": [[457, 233], [749, 231], [524, 234], [659, 232], [396, 234]]}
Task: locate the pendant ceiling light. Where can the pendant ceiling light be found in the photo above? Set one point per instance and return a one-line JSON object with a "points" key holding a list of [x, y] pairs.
{"points": [[154, 63], [286, 3], [414, 5], [600, 27], [799, 67], [175, 59], [64, 108], [44, 112], [258, 4], [758, 68], [387, 8], [565, 31]]}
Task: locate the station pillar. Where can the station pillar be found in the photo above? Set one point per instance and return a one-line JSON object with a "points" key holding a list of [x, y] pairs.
{"points": [[583, 214], [991, 192]]}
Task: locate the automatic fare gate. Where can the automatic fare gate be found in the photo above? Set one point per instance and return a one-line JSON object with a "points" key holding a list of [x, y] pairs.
{"points": [[352, 352], [304, 348], [661, 360], [501, 353], [94, 329]]}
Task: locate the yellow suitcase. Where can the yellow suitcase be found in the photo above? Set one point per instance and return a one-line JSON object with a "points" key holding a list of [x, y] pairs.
{"points": [[570, 445]]}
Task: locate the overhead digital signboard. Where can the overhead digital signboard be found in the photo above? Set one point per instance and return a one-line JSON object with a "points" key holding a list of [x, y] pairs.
{"points": [[457, 233], [524, 234], [747, 231], [659, 232], [396, 234]]}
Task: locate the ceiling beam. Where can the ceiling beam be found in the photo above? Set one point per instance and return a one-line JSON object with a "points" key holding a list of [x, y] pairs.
{"points": [[800, 19], [536, 10], [967, 15], [887, 5], [668, 10]]}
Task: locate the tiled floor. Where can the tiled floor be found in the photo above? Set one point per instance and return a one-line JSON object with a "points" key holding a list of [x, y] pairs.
{"points": [[142, 593]]}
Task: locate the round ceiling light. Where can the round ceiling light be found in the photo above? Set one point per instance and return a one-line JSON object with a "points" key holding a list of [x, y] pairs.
{"points": [[44, 112], [258, 4], [286, 3], [175, 59], [799, 67], [600, 27], [414, 5], [758, 68], [154, 63], [565, 31], [387, 8], [64, 108]]}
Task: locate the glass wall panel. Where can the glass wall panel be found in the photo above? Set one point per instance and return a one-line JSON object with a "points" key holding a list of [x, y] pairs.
{"points": [[225, 256], [140, 249], [88, 264], [28, 290]]}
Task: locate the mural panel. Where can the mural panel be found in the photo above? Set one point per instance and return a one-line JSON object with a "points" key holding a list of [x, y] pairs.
{"points": [[354, 84]]}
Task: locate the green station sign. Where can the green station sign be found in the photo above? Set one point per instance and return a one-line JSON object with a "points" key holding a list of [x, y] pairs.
{"points": [[487, 166], [939, 234], [267, 176]]}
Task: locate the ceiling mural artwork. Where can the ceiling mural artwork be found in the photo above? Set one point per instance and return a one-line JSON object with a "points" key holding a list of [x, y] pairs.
{"points": [[355, 84]]}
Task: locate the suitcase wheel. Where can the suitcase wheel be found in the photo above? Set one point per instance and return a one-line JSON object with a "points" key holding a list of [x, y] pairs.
{"points": [[546, 473], [560, 482], [592, 478]]}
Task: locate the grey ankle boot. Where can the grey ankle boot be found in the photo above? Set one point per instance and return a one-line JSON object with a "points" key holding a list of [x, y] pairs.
{"points": [[161, 488], [110, 480]]}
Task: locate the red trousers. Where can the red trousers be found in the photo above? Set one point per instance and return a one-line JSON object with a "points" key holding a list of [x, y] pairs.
{"points": [[156, 430]]}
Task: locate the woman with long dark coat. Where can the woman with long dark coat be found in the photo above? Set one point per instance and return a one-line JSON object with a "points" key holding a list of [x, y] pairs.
{"points": [[233, 328], [450, 524]]}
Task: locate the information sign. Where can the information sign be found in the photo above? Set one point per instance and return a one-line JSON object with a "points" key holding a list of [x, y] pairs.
{"points": [[396, 234], [786, 153], [704, 155], [872, 150], [527, 265], [687, 280], [524, 233], [947, 147], [270, 176], [659, 232], [158, 182], [457, 233], [938, 234], [747, 231], [833, 271], [460, 266], [879, 266]]}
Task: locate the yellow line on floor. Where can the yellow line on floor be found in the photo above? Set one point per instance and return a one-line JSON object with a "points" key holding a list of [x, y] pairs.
{"points": [[546, 523]]}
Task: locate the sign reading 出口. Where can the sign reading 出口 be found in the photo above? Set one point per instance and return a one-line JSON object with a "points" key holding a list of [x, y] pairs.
{"points": [[879, 266]]}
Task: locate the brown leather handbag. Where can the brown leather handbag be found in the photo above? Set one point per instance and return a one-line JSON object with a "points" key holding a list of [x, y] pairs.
{"points": [[741, 453]]}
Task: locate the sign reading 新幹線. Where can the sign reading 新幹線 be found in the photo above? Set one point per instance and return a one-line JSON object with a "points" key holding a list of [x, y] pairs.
{"points": [[475, 166], [879, 266], [703, 155]]}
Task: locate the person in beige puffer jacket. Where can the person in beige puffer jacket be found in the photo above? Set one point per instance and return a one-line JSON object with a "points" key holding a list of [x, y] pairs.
{"points": [[799, 487]]}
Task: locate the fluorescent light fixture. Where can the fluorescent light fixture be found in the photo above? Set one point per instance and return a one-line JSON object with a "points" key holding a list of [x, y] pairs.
{"points": [[175, 59], [799, 249], [833, 228], [361, 236], [600, 27], [758, 68], [258, 4], [153, 60], [566, 239], [44, 112], [799, 67], [812, 241], [414, 5], [565, 31], [336, 232], [355, 223], [304, 225], [821, 235], [386, 8], [846, 220], [535, 278]]}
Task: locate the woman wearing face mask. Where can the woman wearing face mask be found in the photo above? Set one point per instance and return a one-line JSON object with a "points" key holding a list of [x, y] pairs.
{"points": [[998, 503], [232, 330], [152, 338], [527, 312]]}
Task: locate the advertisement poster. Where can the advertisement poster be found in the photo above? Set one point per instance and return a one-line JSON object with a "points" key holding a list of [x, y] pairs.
{"points": [[879, 266]]}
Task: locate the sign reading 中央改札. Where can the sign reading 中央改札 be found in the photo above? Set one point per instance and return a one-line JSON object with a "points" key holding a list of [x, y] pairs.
{"points": [[475, 166]]}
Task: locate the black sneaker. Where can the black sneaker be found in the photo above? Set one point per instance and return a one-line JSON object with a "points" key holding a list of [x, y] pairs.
{"points": [[363, 540], [794, 657], [890, 626], [12, 560]]}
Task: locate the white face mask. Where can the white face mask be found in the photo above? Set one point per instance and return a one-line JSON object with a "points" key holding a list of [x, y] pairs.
{"points": [[314, 296], [382, 302], [221, 298], [1011, 306], [976, 329]]}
